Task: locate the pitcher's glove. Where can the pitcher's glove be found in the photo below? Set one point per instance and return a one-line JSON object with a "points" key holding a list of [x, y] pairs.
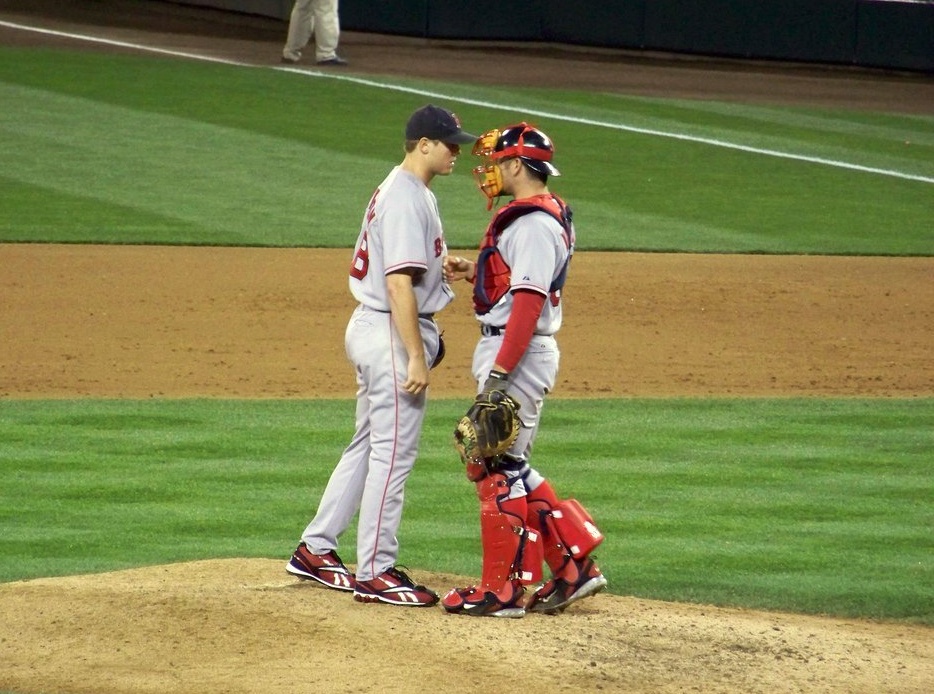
{"points": [[490, 426]]}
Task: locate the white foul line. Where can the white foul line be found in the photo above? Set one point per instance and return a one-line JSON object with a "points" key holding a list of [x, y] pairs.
{"points": [[487, 104], [120, 44], [628, 128]]}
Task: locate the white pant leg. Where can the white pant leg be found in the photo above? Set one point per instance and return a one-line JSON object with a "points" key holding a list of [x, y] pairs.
{"points": [[342, 495], [344, 490], [326, 27], [533, 378], [301, 27], [395, 424]]}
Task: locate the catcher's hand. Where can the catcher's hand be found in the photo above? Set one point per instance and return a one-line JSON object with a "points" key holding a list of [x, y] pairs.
{"points": [[489, 427]]}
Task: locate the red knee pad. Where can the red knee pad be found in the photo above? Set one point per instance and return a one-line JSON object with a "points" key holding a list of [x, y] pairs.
{"points": [[576, 528], [475, 470]]}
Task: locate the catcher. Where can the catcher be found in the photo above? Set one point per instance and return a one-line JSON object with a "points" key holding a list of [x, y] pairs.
{"points": [[518, 277]]}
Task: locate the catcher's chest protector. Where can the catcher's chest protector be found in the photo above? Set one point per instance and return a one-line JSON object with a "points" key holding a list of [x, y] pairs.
{"points": [[493, 274]]}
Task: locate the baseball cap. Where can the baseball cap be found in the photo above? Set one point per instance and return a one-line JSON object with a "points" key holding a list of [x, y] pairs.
{"points": [[437, 123]]}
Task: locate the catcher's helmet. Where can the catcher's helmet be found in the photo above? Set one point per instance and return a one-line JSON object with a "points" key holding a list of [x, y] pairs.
{"points": [[530, 144]]}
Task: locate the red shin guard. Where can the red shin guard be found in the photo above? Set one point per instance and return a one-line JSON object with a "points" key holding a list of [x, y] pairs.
{"points": [[566, 528], [541, 501], [502, 534], [576, 528]]}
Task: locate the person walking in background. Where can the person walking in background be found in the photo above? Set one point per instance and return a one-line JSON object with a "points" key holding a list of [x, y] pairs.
{"points": [[318, 18], [392, 340], [518, 278]]}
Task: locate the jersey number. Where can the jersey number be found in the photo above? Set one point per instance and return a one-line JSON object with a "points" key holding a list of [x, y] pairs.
{"points": [[361, 260]]}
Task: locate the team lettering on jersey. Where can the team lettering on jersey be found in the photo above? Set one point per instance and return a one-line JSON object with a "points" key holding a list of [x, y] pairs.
{"points": [[493, 274], [360, 264]]}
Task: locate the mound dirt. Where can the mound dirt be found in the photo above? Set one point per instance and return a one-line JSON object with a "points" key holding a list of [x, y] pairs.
{"points": [[246, 626]]}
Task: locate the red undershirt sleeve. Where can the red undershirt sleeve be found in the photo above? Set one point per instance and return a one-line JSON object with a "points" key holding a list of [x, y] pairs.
{"points": [[526, 308]]}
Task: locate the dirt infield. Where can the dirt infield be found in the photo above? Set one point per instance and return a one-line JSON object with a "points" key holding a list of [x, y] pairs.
{"points": [[237, 322], [86, 321]]}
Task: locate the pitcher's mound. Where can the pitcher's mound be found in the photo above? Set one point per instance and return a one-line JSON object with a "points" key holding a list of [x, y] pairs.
{"points": [[244, 625]]}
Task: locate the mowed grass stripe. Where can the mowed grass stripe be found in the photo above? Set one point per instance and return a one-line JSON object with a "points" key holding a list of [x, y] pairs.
{"points": [[483, 102], [783, 504], [234, 152], [228, 183]]}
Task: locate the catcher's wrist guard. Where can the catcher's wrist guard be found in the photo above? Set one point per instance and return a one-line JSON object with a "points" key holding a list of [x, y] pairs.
{"points": [[496, 381]]}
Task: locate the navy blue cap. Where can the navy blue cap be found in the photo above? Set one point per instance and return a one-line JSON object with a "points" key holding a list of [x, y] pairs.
{"points": [[437, 123]]}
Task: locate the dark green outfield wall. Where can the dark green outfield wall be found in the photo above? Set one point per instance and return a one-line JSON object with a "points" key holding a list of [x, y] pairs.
{"points": [[896, 34]]}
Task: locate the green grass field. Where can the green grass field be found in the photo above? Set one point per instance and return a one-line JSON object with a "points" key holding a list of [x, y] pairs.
{"points": [[807, 505], [151, 150], [813, 505]]}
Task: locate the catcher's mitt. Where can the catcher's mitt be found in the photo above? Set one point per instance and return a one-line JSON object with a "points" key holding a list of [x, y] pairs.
{"points": [[489, 427]]}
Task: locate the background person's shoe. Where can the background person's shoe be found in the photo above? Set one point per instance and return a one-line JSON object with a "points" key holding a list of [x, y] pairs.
{"points": [[327, 569], [394, 587], [336, 61]]}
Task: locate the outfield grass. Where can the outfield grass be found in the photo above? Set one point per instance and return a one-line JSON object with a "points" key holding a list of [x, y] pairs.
{"points": [[139, 149], [819, 506]]}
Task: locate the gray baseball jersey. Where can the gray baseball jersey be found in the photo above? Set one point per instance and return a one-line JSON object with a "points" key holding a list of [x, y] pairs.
{"points": [[401, 229], [536, 249]]}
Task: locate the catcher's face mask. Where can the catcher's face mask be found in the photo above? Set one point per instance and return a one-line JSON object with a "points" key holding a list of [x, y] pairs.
{"points": [[524, 141], [489, 179]]}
